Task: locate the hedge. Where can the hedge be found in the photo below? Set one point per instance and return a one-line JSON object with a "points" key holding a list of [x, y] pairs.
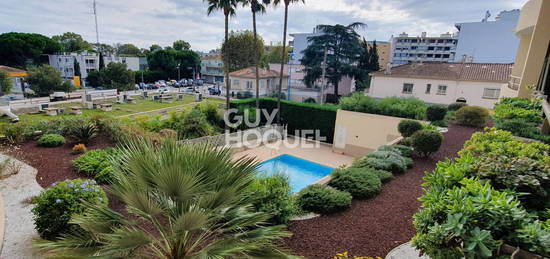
{"points": [[299, 116]]}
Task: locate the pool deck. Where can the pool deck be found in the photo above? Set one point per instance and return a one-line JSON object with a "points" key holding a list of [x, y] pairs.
{"points": [[321, 153]]}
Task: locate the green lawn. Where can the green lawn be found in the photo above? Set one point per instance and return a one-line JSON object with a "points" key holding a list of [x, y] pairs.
{"points": [[118, 109]]}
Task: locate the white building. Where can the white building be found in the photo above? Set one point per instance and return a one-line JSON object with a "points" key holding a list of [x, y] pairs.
{"points": [[488, 41], [244, 80], [443, 83], [405, 48], [212, 69], [64, 63], [299, 43]]}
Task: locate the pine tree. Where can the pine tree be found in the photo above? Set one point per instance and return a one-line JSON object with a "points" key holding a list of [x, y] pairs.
{"points": [[77, 70], [373, 55]]}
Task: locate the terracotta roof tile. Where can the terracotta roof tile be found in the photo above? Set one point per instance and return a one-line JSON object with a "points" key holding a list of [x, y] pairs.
{"points": [[11, 69], [251, 73], [489, 72]]}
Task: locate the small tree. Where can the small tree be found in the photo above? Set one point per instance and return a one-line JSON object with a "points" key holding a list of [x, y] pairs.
{"points": [[181, 45], [117, 76], [239, 50], [44, 80], [77, 70], [5, 83]]}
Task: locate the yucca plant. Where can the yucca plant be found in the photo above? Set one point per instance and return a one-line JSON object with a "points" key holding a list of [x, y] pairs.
{"points": [[84, 132], [182, 201]]}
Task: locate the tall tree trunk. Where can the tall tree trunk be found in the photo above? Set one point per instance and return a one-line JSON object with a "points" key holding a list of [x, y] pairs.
{"points": [[226, 65], [257, 57], [283, 55], [336, 89]]}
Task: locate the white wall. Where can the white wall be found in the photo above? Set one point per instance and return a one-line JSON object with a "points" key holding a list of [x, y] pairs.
{"points": [[488, 42], [382, 87]]}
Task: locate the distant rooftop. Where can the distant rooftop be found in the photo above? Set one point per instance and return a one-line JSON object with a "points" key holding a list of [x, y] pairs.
{"points": [[11, 69], [251, 73], [486, 72]]}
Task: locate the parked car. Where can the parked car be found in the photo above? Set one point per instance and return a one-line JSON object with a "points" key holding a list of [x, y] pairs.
{"points": [[199, 82], [214, 91], [190, 82]]}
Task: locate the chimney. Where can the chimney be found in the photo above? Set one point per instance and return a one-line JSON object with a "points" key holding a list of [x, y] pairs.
{"points": [[388, 69]]}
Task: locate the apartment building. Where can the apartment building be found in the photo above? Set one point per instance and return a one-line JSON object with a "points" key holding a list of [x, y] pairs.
{"points": [[405, 48], [488, 41], [443, 83], [299, 43], [531, 73], [88, 61], [212, 69]]}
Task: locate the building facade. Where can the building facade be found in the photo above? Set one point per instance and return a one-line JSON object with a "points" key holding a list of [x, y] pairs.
{"points": [[383, 49], [212, 69], [244, 80], [87, 61], [406, 49], [443, 83], [17, 77], [488, 41], [299, 43]]}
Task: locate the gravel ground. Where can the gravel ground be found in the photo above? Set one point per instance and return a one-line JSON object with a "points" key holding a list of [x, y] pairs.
{"points": [[17, 190], [374, 227]]}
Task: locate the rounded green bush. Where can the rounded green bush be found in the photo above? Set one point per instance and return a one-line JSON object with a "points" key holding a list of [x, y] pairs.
{"points": [[272, 195], [384, 176], [456, 106], [97, 164], [361, 183], [401, 149], [473, 116], [51, 140], [55, 205], [426, 142], [408, 127], [383, 160], [436, 112], [323, 199]]}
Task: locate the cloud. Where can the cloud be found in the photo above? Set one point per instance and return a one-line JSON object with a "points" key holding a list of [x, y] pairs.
{"points": [[147, 22]]}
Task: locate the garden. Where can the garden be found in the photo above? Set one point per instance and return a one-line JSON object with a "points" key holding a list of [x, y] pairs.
{"points": [[121, 187]]}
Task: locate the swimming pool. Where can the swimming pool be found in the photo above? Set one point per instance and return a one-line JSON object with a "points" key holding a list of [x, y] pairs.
{"points": [[300, 172]]}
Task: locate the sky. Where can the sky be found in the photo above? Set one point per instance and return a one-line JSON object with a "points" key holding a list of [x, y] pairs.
{"points": [[147, 22]]}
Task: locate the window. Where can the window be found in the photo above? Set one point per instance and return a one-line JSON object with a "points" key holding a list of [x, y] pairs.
{"points": [[414, 41], [407, 88], [248, 85], [432, 41], [430, 48], [446, 56], [447, 48], [428, 88], [414, 47], [236, 82], [437, 55], [442, 89], [439, 41], [491, 93], [430, 55]]}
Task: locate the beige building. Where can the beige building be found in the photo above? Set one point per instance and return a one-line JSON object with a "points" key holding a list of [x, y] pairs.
{"points": [[532, 69], [383, 49], [443, 83], [244, 80]]}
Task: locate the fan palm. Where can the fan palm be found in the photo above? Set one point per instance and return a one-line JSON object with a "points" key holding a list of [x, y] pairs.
{"points": [[256, 6], [182, 201], [287, 3], [228, 8]]}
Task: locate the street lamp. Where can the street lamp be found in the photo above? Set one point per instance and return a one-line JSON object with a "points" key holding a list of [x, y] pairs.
{"points": [[179, 78], [290, 58]]}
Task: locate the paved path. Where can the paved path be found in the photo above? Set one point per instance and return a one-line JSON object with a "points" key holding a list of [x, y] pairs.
{"points": [[17, 190]]}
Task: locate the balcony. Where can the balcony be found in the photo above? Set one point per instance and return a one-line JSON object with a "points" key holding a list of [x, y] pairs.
{"points": [[514, 82]]}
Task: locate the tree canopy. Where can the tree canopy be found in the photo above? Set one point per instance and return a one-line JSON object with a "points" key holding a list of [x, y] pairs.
{"points": [[181, 45], [343, 51], [113, 76], [273, 55], [239, 50], [5, 83], [167, 62], [23, 49], [44, 80], [155, 47], [368, 62], [72, 42], [128, 49]]}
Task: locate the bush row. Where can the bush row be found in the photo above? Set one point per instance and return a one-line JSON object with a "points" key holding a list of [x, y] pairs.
{"points": [[78, 129], [363, 180], [411, 108], [496, 191], [520, 116]]}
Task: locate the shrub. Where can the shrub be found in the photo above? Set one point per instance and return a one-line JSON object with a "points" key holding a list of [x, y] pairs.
{"points": [[15, 133], [97, 164], [384, 176], [272, 195], [383, 160], [408, 127], [361, 183], [323, 199], [79, 149], [51, 140], [244, 95], [84, 132], [393, 106], [212, 113], [473, 116], [441, 123], [168, 133], [456, 106], [436, 112], [310, 100], [426, 142], [403, 150], [56, 204]]}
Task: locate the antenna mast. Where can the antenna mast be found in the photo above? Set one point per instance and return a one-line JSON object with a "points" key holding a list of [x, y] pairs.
{"points": [[96, 29]]}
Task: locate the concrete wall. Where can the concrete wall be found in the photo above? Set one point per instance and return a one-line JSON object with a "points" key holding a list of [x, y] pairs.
{"points": [[488, 42], [357, 134], [382, 87]]}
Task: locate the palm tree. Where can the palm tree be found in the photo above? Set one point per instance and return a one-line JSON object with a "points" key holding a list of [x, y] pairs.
{"points": [[182, 201], [228, 7], [287, 3], [256, 6]]}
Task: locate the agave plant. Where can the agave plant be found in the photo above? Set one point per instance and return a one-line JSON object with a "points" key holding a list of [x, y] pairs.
{"points": [[182, 201], [84, 132]]}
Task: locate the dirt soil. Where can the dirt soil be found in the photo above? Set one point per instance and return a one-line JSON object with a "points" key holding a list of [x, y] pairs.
{"points": [[374, 227]]}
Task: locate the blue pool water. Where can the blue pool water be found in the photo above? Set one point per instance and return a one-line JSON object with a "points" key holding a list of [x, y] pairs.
{"points": [[300, 172]]}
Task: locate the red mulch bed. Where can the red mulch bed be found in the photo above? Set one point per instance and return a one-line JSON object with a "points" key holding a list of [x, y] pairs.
{"points": [[374, 227], [55, 164]]}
